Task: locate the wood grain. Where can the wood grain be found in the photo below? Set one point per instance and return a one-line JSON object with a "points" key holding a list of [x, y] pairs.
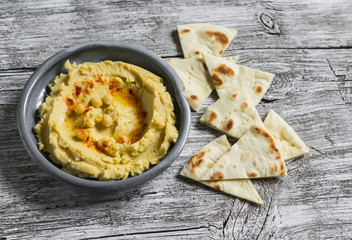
{"points": [[29, 28], [307, 45]]}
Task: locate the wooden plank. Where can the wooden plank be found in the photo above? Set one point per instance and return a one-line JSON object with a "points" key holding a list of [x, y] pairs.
{"points": [[307, 44], [313, 201], [32, 31]]}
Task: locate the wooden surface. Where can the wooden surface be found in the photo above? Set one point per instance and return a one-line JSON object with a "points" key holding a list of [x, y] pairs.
{"points": [[307, 45]]}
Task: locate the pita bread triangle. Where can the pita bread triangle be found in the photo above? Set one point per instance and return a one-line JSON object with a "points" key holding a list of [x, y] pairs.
{"points": [[205, 158], [226, 74], [195, 78], [201, 37], [232, 114], [286, 138], [255, 155]]}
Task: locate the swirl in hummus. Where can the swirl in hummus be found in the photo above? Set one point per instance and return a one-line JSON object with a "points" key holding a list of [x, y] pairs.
{"points": [[106, 120]]}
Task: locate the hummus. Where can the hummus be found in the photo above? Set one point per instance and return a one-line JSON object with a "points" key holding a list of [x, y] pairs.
{"points": [[106, 120]]}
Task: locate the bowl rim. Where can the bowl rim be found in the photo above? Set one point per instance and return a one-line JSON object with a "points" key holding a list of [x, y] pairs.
{"points": [[37, 155]]}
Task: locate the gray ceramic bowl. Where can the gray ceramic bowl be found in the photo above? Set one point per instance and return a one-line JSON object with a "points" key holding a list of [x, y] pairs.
{"points": [[37, 87]]}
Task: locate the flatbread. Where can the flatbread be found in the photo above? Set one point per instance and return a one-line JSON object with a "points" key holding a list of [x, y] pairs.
{"points": [[226, 74], [195, 78], [206, 38], [255, 155], [232, 114], [289, 143], [205, 158]]}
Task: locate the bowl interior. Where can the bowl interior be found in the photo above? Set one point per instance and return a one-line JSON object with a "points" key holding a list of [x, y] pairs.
{"points": [[37, 87]]}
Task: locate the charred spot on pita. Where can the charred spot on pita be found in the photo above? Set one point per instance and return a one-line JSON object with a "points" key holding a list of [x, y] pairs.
{"points": [[274, 168], [218, 175], [216, 186], [185, 30], [224, 70], [283, 168], [229, 124], [272, 144], [200, 162], [212, 116], [219, 37], [210, 164], [233, 96], [252, 175], [197, 53], [274, 149], [199, 155], [259, 89], [193, 97], [197, 160], [218, 82], [282, 165]]}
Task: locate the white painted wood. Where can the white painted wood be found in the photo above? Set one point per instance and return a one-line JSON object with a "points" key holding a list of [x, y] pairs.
{"points": [[306, 44]]}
